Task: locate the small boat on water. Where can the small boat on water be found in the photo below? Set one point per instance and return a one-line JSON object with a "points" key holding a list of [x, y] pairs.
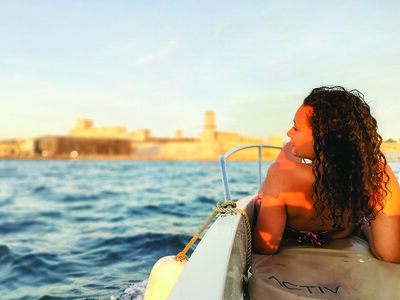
{"points": [[223, 266]]}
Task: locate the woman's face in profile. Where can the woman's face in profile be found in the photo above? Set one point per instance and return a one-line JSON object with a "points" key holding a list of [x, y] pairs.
{"points": [[301, 138]]}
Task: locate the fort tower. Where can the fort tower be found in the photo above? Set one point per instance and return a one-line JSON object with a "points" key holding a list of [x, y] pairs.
{"points": [[209, 127]]}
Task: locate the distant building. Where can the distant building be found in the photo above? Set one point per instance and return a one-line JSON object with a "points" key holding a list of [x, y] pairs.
{"points": [[17, 148], [67, 147], [210, 145], [85, 129]]}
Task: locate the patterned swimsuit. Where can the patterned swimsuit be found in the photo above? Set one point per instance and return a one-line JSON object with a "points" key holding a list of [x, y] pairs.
{"points": [[316, 238]]}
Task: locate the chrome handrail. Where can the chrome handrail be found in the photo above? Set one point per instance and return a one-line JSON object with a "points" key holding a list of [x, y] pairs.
{"points": [[222, 162]]}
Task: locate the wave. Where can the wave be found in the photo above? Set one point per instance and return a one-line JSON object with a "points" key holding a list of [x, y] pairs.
{"points": [[40, 188], [29, 269], [7, 228], [134, 292], [175, 209], [140, 244], [204, 199], [143, 250], [79, 197]]}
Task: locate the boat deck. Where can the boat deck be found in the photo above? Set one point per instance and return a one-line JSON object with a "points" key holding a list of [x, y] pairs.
{"points": [[342, 269]]}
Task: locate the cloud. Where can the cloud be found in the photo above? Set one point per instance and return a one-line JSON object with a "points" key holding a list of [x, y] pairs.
{"points": [[163, 52]]}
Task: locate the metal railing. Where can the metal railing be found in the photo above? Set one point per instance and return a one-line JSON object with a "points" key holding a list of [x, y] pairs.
{"points": [[222, 162]]}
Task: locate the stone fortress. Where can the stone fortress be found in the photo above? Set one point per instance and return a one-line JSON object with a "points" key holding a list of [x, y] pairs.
{"points": [[210, 145]]}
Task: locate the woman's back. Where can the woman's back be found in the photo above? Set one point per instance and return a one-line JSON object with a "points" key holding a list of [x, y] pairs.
{"points": [[296, 184]]}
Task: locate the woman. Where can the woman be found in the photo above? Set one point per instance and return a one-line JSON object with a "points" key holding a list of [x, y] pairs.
{"points": [[348, 179]]}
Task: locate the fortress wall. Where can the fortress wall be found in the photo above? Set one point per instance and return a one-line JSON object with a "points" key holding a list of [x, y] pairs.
{"points": [[106, 133], [166, 150], [228, 142], [53, 146], [110, 133], [146, 149], [189, 150], [198, 150], [17, 148]]}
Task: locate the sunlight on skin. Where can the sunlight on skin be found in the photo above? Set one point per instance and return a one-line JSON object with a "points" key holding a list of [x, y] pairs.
{"points": [[294, 199], [271, 243], [268, 233], [392, 207], [386, 224], [301, 137]]}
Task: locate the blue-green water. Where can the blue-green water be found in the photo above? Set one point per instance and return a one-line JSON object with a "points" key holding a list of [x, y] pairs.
{"points": [[84, 229], [93, 230]]}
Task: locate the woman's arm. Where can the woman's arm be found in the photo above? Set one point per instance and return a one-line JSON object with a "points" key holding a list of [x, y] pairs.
{"points": [[271, 218], [383, 233]]}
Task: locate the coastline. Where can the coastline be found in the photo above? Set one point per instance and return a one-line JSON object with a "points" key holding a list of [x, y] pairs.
{"points": [[390, 158], [122, 158]]}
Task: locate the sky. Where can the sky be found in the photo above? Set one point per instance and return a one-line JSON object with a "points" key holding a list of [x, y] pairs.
{"points": [[160, 65]]}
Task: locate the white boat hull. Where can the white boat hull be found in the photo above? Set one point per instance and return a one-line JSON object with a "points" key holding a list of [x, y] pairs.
{"points": [[214, 271]]}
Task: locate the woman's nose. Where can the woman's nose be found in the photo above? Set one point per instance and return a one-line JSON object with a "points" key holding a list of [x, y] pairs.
{"points": [[290, 132]]}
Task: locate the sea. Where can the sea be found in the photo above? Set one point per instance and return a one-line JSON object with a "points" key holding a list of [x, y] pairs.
{"points": [[78, 229], [94, 229]]}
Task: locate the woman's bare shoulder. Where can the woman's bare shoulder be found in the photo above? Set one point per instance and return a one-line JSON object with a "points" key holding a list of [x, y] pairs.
{"points": [[289, 167], [288, 172]]}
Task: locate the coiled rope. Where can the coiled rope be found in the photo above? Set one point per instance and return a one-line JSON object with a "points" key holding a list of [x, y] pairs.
{"points": [[228, 207]]}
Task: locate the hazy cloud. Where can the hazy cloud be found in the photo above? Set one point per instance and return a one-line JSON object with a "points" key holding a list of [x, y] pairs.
{"points": [[163, 52]]}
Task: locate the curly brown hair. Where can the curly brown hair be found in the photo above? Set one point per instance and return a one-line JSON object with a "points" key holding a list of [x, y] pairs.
{"points": [[349, 168]]}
